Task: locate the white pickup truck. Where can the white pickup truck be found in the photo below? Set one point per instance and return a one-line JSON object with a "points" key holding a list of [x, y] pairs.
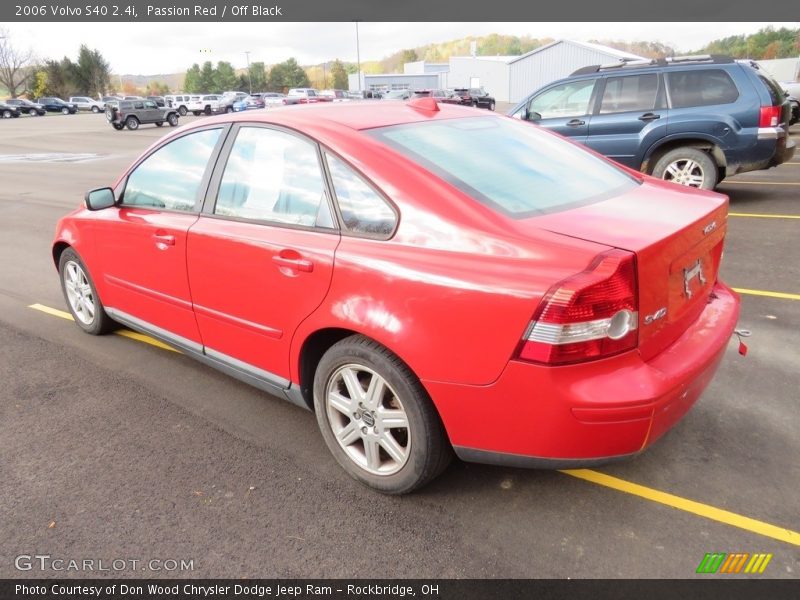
{"points": [[208, 104]]}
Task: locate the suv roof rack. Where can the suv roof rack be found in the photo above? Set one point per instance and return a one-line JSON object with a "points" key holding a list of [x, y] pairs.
{"points": [[628, 63]]}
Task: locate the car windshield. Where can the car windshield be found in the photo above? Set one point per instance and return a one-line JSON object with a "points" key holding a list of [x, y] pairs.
{"points": [[520, 170]]}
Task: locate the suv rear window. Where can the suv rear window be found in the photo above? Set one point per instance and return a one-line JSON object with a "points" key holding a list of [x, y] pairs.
{"points": [[775, 92], [700, 87], [519, 171]]}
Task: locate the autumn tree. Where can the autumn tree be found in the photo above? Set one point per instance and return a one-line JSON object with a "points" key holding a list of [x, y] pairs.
{"points": [[287, 74], [339, 75], [16, 64]]}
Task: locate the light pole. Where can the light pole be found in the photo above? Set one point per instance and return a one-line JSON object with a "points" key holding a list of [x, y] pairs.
{"points": [[358, 58], [249, 74]]}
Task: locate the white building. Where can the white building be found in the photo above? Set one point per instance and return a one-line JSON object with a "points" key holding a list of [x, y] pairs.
{"points": [[511, 78], [782, 69], [417, 75]]}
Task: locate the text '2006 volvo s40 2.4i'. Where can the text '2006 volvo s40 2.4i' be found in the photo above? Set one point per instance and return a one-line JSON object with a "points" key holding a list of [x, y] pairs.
{"points": [[534, 305]]}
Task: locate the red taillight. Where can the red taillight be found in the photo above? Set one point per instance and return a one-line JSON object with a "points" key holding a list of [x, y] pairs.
{"points": [[587, 316], [770, 116]]}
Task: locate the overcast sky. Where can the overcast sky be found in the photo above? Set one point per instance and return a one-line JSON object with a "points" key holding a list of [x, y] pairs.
{"points": [[152, 48]]}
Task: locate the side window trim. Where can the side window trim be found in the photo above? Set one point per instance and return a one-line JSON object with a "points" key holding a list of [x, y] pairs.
{"points": [[329, 179], [215, 180], [204, 182]]}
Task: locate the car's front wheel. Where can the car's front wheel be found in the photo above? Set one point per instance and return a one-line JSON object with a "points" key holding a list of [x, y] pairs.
{"points": [[376, 418], [81, 295], [95, 109], [65, 111], [132, 123], [7, 114], [687, 166], [491, 105], [182, 111], [32, 112]]}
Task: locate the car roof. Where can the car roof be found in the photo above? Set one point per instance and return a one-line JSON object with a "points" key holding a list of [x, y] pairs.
{"points": [[352, 115]]}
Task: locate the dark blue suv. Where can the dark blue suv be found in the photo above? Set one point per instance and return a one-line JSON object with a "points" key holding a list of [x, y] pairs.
{"points": [[691, 120]]}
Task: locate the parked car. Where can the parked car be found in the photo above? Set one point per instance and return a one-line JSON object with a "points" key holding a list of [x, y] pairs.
{"points": [[229, 99], [248, 103], [7, 111], [208, 104], [438, 95], [159, 100], [133, 97], [86, 103], [792, 91], [272, 98], [336, 95], [26, 106], [304, 96], [477, 97], [132, 113], [51, 104], [107, 99], [177, 101], [398, 95], [532, 304], [794, 103], [688, 120]]}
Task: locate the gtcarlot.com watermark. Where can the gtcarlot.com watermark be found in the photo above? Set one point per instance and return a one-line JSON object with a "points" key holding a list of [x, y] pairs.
{"points": [[46, 562]]}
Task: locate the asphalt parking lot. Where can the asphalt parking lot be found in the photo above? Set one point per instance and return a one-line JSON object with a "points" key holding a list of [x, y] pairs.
{"points": [[117, 449]]}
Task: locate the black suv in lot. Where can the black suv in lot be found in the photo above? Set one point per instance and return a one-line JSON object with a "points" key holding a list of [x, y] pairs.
{"points": [[690, 120], [132, 113]]}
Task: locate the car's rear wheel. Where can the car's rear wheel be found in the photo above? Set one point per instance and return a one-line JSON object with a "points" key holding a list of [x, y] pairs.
{"points": [[207, 110], [182, 111], [81, 295], [172, 119], [95, 109], [7, 114], [376, 418], [65, 111], [687, 166], [159, 123], [132, 123]]}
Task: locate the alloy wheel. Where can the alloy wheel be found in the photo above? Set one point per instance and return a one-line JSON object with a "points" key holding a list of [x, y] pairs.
{"points": [[79, 293], [685, 171]]}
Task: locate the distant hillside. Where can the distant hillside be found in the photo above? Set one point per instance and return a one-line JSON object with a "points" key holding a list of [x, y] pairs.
{"points": [[173, 80], [765, 44]]}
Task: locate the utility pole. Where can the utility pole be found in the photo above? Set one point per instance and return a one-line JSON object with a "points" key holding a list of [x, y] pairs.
{"points": [[249, 74], [358, 58]]}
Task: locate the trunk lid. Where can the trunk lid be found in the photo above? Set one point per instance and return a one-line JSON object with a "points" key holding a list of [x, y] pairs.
{"points": [[677, 235]]}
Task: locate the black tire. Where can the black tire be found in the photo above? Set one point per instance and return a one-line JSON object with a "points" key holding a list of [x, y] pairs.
{"points": [[65, 111], [132, 123], [687, 166], [207, 111], [159, 123], [95, 109], [182, 111], [100, 323], [118, 126], [229, 109], [7, 114], [196, 113], [172, 119], [491, 105], [427, 450], [32, 112]]}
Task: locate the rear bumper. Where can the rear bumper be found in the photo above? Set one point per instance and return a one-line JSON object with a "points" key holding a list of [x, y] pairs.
{"points": [[580, 415]]}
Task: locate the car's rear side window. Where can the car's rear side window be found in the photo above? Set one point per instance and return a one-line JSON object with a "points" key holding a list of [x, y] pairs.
{"points": [[629, 93], [509, 165], [700, 87]]}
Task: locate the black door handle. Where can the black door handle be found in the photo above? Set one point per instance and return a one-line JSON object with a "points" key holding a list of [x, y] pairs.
{"points": [[575, 123], [649, 117]]}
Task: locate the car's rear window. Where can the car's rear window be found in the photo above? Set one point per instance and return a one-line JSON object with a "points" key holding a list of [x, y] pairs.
{"points": [[508, 165]]}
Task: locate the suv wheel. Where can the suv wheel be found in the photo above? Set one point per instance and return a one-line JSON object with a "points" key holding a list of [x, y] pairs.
{"points": [[687, 166], [65, 111], [95, 109], [172, 119], [132, 123], [229, 109], [207, 110], [196, 113], [376, 418], [7, 114], [491, 105], [118, 126], [182, 112], [32, 112], [159, 123]]}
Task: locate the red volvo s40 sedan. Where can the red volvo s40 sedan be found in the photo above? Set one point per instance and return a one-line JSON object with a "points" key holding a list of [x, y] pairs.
{"points": [[425, 278]]}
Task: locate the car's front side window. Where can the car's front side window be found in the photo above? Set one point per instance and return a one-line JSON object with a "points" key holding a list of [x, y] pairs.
{"points": [[273, 176], [570, 99], [170, 177]]}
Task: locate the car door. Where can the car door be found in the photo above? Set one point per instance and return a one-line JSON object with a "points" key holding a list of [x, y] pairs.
{"points": [[152, 113], [142, 240], [260, 257], [632, 115], [564, 108]]}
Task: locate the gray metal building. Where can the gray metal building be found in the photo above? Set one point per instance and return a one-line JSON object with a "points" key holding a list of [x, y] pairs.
{"points": [[416, 76], [511, 78]]}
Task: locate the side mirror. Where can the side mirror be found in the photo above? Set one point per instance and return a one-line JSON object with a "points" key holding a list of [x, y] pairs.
{"points": [[532, 115], [100, 199]]}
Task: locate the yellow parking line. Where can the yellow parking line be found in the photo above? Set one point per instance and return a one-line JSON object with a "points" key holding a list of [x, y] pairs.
{"points": [[729, 182], [139, 337], [760, 216], [698, 508], [783, 295]]}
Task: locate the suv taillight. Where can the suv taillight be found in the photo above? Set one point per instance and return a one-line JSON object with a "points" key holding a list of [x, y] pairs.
{"points": [[591, 315], [770, 116]]}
